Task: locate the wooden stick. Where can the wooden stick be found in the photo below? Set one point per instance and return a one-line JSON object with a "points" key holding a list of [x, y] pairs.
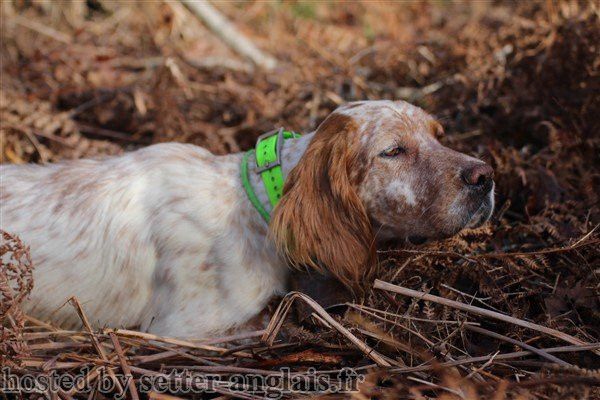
{"points": [[479, 311], [88, 327], [95, 342], [124, 366], [224, 29]]}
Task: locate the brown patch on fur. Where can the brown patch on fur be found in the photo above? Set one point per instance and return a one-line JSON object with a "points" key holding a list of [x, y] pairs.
{"points": [[436, 129], [321, 221], [206, 266]]}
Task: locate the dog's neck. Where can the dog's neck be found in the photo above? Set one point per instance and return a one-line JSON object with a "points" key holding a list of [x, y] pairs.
{"points": [[291, 153]]}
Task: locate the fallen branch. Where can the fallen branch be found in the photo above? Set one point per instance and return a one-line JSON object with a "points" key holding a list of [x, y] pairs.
{"points": [[225, 30], [479, 311]]}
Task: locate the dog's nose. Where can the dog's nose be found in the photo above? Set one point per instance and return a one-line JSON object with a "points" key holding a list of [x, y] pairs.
{"points": [[478, 176]]}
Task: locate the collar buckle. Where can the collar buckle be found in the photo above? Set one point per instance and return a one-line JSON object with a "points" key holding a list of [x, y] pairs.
{"points": [[279, 144]]}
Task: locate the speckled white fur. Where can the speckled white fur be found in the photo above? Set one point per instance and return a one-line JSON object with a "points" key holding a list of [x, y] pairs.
{"points": [[163, 238]]}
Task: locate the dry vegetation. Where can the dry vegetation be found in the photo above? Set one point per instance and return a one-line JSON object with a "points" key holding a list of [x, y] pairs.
{"points": [[514, 83]]}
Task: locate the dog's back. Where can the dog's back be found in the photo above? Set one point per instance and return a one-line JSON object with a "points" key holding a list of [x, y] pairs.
{"points": [[95, 227]]}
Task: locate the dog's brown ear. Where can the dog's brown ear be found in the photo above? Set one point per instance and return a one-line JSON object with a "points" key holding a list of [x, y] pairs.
{"points": [[320, 221]]}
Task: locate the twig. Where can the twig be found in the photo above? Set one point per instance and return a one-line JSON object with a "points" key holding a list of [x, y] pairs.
{"points": [[86, 323], [177, 342], [361, 307], [479, 311], [481, 368], [54, 138], [396, 323], [185, 353], [434, 385], [124, 366], [58, 346], [224, 29], [525, 346], [179, 77], [94, 130], [95, 343], [210, 63], [389, 340], [29, 133], [26, 362], [505, 356], [43, 29], [77, 336], [91, 103], [46, 335], [284, 307], [36, 145]]}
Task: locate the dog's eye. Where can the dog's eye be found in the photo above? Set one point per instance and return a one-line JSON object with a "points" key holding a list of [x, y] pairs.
{"points": [[393, 151]]}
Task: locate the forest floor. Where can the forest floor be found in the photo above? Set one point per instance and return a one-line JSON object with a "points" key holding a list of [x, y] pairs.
{"points": [[516, 84]]}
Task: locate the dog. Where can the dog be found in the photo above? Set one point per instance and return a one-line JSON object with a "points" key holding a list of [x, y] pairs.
{"points": [[165, 238]]}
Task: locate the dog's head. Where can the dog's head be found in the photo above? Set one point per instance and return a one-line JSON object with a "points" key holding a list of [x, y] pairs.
{"points": [[375, 170]]}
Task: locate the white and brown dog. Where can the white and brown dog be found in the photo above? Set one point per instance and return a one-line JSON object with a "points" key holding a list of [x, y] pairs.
{"points": [[165, 237]]}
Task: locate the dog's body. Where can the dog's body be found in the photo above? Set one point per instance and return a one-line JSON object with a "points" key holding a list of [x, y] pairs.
{"points": [[165, 237]]}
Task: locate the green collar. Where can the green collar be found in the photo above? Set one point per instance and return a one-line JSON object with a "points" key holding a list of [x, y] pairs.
{"points": [[268, 163]]}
